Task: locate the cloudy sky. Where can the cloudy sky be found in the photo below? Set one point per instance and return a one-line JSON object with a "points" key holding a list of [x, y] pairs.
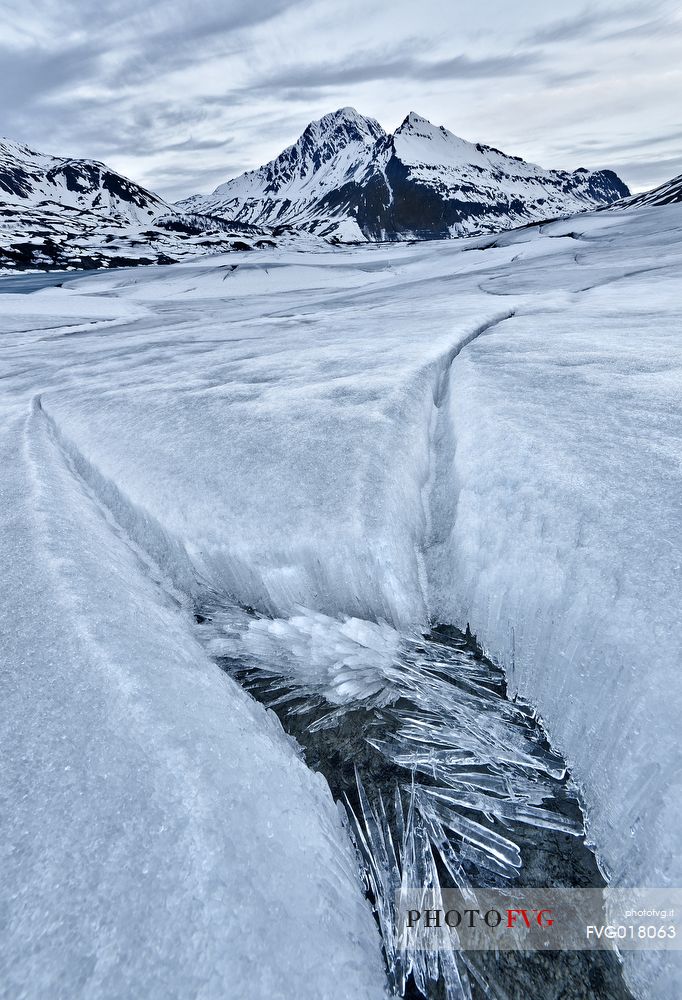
{"points": [[182, 95]]}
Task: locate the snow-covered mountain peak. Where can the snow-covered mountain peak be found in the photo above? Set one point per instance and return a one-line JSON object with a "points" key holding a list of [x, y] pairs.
{"points": [[351, 122], [10, 147], [418, 141], [18, 157], [414, 122], [328, 152], [346, 178], [333, 132]]}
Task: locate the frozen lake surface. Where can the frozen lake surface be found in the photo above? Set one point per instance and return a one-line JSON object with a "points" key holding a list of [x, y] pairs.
{"points": [[483, 431], [24, 284]]}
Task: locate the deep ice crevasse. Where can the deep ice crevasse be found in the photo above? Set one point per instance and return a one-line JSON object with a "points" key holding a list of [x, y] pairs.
{"points": [[439, 492], [192, 574]]}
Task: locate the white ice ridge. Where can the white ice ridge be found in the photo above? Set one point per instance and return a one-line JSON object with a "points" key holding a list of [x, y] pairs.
{"points": [[300, 429], [163, 837]]}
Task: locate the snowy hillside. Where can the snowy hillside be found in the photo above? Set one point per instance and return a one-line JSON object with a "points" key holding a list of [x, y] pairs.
{"points": [[318, 456], [668, 193], [61, 213], [346, 178], [32, 179]]}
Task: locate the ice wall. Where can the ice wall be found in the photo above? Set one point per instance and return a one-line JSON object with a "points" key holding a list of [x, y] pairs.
{"points": [[162, 837], [565, 551]]}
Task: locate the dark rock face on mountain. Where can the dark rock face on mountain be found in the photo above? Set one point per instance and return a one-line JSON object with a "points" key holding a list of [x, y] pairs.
{"points": [[58, 213], [347, 179]]}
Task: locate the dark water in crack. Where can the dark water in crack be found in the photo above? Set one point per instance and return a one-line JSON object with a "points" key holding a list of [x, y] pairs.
{"points": [[445, 781]]}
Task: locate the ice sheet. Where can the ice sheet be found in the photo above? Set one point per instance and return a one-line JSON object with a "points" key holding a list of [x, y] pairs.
{"points": [[461, 431]]}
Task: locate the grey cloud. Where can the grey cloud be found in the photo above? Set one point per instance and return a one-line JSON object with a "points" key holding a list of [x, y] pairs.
{"points": [[90, 130], [565, 30], [198, 144], [611, 150], [230, 17], [33, 73], [299, 80], [587, 24], [200, 31], [147, 40], [645, 174], [665, 25], [198, 176], [462, 67], [560, 79]]}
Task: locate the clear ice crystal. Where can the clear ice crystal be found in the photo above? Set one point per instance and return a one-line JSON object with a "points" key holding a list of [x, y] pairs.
{"points": [[448, 772]]}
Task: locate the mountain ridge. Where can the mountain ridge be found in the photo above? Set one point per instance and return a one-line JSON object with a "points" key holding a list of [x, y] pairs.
{"points": [[347, 179], [69, 213], [30, 177]]}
